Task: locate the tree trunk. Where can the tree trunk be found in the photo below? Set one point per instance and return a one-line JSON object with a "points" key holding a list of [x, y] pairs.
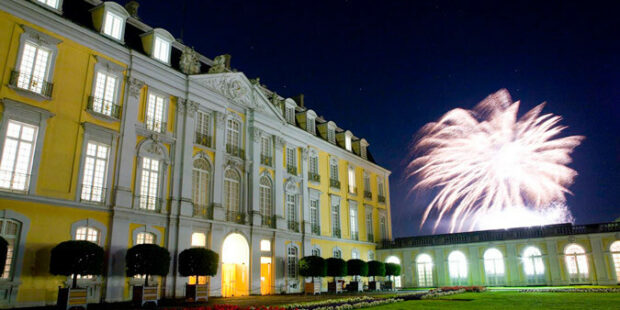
{"points": [[146, 280], [74, 285]]}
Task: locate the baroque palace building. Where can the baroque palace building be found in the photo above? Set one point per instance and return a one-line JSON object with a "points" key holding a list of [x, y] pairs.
{"points": [[114, 132]]}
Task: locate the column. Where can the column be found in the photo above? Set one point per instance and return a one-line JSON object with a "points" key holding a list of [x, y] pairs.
{"points": [[279, 183], [601, 276], [407, 271], [216, 238], [305, 202], [474, 262], [553, 261], [255, 215], [127, 152], [184, 148], [115, 284], [218, 169], [440, 268], [512, 265], [255, 254]]}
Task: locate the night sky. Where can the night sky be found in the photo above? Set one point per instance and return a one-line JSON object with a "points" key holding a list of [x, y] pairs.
{"points": [[383, 69]]}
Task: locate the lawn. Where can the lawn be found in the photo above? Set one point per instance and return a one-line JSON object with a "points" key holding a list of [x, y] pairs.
{"points": [[513, 300]]}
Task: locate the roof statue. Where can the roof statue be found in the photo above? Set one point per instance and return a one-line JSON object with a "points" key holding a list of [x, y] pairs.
{"points": [[221, 64], [189, 62]]}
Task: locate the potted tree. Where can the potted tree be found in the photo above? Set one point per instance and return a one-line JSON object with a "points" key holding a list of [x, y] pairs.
{"points": [[391, 270], [313, 267], [375, 269], [147, 260], [75, 258], [357, 268], [336, 268], [197, 262]]}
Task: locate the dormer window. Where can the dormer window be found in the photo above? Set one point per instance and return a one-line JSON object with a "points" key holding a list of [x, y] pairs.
{"points": [[54, 4], [289, 110], [331, 132], [364, 148], [347, 140], [311, 122], [158, 43], [109, 19]]}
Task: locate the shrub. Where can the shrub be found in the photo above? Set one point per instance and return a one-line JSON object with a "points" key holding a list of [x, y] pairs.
{"points": [[336, 267], [76, 257], [376, 269], [312, 266], [4, 247], [147, 259], [392, 269], [357, 267], [198, 262]]}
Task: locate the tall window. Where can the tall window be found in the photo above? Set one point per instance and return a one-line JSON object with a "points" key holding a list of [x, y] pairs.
{"points": [[103, 100], [290, 115], [17, 156], [113, 25], [233, 140], [380, 189], [384, 234], [337, 253], [352, 186], [33, 68], [161, 50], [494, 267], [333, 170], [314, 216], [336, 220], [331, 135], [369, 231], [615, 256], [353, 222], [291, 160], [314, 164], [291, 211], [457, 266], [203, 129], [367, 182], [576, 263], [149, 189], [94, 174], [155, 113], [265, 150], [145, 238], [9, 230], [533, 265], [201, 180], [88, 234], [292, 262], [265, 198], [231, 190], [347, 142], [424, 267]]}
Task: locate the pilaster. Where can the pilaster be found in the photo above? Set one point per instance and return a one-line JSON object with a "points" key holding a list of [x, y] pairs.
{"points": [[119, 238], [218, 169], [598, 261], [553, 262], [305, 201], [279, 183], [474, 261], [441, 266], [513, 277]]}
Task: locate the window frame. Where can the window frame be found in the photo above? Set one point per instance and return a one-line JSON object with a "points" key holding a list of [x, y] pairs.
{"points": [[102, 135], [164, 117], [168, 44], [207, 188], [295, 264], [157, 236], [13, 281], [109, 68], [149, 148], [44, 3]]}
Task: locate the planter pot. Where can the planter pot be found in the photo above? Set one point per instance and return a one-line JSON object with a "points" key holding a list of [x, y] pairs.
{"points": [[335, 287], [313, 287], [355, 286], [72, 298], [374, 286], [145, 294], [197, 292]]}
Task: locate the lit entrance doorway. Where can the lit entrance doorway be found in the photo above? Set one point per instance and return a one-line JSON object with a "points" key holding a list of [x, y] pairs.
{"points": [[265, 275], [235, 263]]}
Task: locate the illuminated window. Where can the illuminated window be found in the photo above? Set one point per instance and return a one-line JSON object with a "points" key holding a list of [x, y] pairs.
{"points": [[615, 255], [265, 200], [113, 25], [265, 245], [201, 178], [34, 67], [87, 233], [161, 50], [203, 128], [347, 141], [291, 160], [155, 113], [494, 266], [231, 190], [55, 4], [576, 263], [353, 221], [17, 153], [199, 239], [533, 265], [10, 230], [149, 188], [424, 267], [95, 170], [352, 186], [233, 141], [145, 238], [292, 262], [104, 96], [355, 254], [457, 266]]}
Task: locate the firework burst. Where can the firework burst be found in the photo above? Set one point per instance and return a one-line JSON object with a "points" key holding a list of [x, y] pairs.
{"points": [[485, 161]]}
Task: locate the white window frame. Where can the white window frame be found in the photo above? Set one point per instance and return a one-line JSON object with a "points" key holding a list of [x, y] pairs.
{"points": [[369, 224], [30, 115], [21, 174], [311, 122], [348, 145], [203, 126], [458, 269], [12, 283], [533, 265], [576, 262], [494, 267], [336, 252], [334, 213], [291, 157], [424, 270], [334, 173], [149, 148], [331, 132], [201, 190], [351, 180], [135, 233], [353, 219], [266, 195], [225, 200], [150, 120], [105, 136], [292, 261], [163, 53], [231, 132], [110, 69], [53, 5], [313, 162]]}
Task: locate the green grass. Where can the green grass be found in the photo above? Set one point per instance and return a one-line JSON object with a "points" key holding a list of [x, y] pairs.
{"points": [[513, 300]]}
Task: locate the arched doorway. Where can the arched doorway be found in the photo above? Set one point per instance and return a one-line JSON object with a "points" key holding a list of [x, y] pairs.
{"points": [[395, 260], [235, 266], [424, 264]]}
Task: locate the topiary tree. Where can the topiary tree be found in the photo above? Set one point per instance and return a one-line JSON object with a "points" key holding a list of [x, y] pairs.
{"points": [[336, 267], [357, 268], [76, 257], [4, 248], [392, 269], [198, 262], [147, 260], [312, 266], [376, 269]]}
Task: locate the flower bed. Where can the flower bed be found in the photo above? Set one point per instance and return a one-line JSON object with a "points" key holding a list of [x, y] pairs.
{"points": [[473, 288], [439, 293], [227, 307], [573, 290]]}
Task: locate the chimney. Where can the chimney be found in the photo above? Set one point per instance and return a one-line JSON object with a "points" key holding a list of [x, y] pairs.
{"points": [[132, 8], [300, 100]]}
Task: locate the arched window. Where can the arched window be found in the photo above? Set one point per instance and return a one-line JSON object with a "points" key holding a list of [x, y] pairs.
{"points": [[355, 254], [494, 267], [201, 178], [10, 230], [615, 256], [316, 252], [231, 191], [457, 266], [424, 267], [265, 200], [576, 263], [395, 260], [533, 265], [199, 239], [87, 233], [145, 238], [292, 262], [337, 253]]}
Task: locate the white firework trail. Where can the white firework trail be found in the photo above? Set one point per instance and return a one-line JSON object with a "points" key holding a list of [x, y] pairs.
{"points": [[485, 161]]}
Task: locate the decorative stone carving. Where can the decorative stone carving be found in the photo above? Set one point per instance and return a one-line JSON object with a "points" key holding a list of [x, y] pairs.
{"points": [[280, 143], [192, 107], [257, 134], [232, 86], [220, 64], [132, 8], [189, 62], [290, 186], [304, 154], [220, 119], [135, 86]]}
